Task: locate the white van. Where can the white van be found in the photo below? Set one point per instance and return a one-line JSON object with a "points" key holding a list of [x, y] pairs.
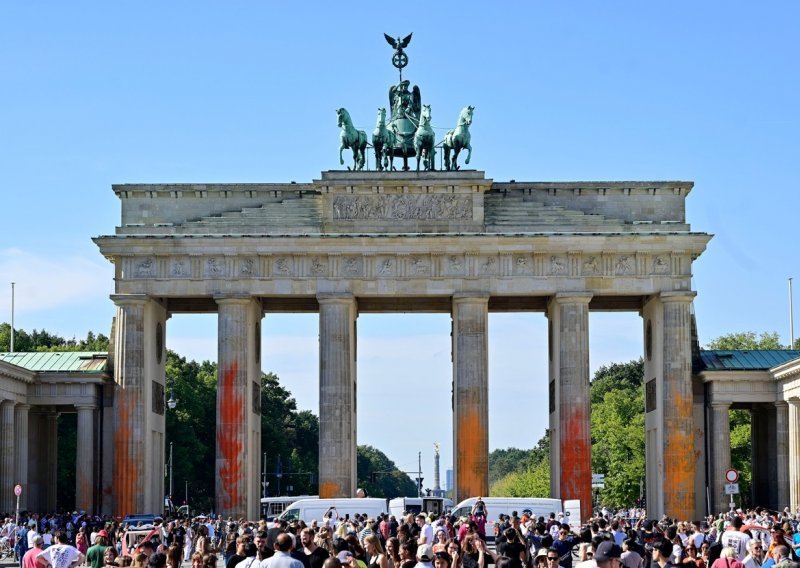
{"points": [[534, 506], [416, 505], [309, 509], [271, 507]]}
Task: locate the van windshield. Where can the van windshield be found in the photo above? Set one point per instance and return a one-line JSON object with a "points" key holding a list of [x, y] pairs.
{"points": [[292, 514]]}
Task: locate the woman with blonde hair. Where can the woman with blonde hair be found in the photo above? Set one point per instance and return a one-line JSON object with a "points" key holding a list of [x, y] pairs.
{"points": [[376, 557]]}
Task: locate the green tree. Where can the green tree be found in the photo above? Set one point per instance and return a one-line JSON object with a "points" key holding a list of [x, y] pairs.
{"points": [[379, 476], [190, 427], [747, 340], [42, 340], [289, 436], [532, 483], [513, 460], [617, 396], [616, 376]]}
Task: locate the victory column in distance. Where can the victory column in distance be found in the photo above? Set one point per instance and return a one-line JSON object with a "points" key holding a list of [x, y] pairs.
{"points": [[409, 131]]}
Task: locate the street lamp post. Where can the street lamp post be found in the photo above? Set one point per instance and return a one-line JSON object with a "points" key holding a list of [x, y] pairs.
{"points": [[170, 471]]}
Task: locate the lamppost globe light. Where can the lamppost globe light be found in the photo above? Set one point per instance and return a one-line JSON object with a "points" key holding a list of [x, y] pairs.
{"points": [[172, 402]]}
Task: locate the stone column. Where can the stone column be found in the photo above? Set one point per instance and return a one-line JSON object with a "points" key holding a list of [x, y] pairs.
{"points": [[471, 395], [679, 459], [670, 444], [22, 457], [7, 456], [794, 453], [238, 397], [139, 405], [570, 416], [782, 453], [85, 465], [337, 396], [50, 461], [129, 405], [720, 453]]}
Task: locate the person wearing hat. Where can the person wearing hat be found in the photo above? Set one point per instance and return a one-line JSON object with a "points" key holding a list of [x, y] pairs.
{"points": [[94, 556], [540, 560], [424, 556], [608, 554]]}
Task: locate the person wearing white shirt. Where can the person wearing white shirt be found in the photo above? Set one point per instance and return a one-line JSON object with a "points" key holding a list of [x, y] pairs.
{"points": [[755, 556], [32, 534], [61, 554]]}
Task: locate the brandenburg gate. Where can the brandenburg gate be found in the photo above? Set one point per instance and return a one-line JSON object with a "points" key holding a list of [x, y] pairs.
{"points": [[354, 242]]}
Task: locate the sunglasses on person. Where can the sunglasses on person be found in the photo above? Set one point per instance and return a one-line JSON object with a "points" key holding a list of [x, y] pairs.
{"points": [[553, 558]]}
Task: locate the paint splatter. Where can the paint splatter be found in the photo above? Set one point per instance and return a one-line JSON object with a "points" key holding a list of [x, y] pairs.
{"points": [[471, 454], [231, 430], [127, 450], [576, 457], [329, 490]]}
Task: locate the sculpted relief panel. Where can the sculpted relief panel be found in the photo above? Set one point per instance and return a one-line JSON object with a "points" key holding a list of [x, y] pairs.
{"points": [[402, 265], [400, 207]]}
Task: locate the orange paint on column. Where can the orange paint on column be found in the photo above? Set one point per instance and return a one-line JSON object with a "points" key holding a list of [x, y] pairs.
{"points": [[471, 456], [126, 471], [679, 455], [576, 457], [230, 438], [329, 490]]}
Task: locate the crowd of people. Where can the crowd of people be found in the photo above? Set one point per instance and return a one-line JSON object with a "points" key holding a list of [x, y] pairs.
{"points": [[627, 539]]}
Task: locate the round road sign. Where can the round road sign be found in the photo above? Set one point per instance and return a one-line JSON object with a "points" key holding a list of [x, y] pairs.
{"points": [[732, 476], [18, 490]]}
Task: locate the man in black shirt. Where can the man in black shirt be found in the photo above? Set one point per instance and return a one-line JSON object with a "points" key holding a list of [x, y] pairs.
{"points": [[238, 555], [316, 555]]}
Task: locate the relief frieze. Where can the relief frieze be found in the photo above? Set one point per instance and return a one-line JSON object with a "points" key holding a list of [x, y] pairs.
{"points": [[401, 207]]}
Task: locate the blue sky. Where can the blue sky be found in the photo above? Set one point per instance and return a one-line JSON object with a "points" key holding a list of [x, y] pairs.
{"points": [[95, 93]]}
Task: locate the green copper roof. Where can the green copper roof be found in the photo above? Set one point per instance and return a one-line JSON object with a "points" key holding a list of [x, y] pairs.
{"points": [[745, 360], [58, 361]]}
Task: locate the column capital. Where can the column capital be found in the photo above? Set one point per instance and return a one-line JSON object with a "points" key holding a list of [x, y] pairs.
{"points": [[471, 298], [572, 297], [80, 407], [335, 298], [22, 407], [684, 297], [240, 299], [7, 403], [129, 299], [781, 404], [719, 404]]}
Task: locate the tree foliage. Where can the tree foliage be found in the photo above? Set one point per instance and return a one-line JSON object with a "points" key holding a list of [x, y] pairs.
{"points": [[513, 469], [747, 340], [535, 482], [41, 340], [513, 460], [387, 480], [618, 431]]}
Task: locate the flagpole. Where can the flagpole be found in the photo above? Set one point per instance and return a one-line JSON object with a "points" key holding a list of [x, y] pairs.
{"points": [[12, 318], [791, 317]]}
